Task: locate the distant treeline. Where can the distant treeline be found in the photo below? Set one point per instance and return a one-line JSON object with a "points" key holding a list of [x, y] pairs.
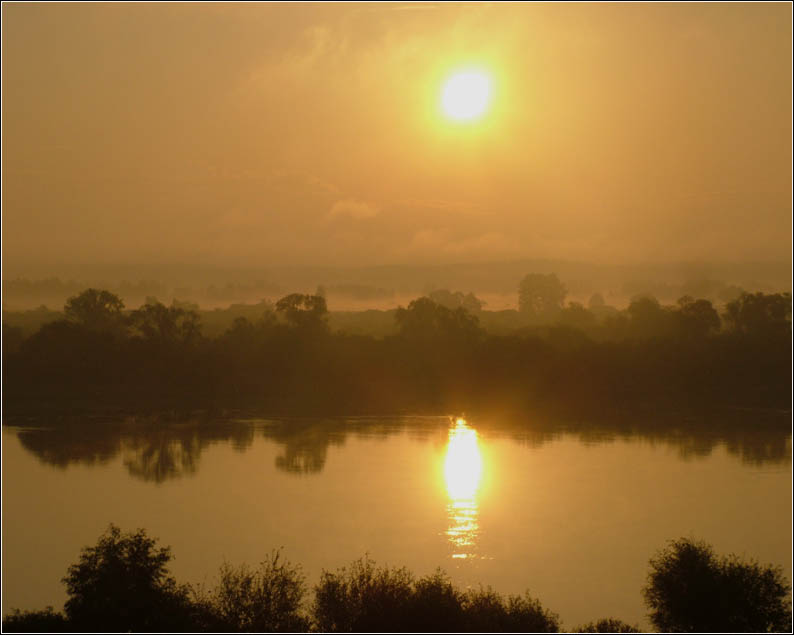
{"points": [[285, 359], [213, 285], [123, 584], [21, 292]]}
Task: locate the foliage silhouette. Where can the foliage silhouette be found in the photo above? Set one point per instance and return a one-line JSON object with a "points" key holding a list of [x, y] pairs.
{"points": [[97, 310], [690, 589], [377, 599], [362, 598], [759, 313], [305, 312], [572, 361], [46, 621], [577, 317], [267, 599], [540, 296], [697, 318], [487, 611], [123, 583], [166, 324], [607, 625], [647, 318], [458, 299], [425, 320]]}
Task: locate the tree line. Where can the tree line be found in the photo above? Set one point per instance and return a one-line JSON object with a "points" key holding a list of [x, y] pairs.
{"points": [[123, 583], [99, 356]]}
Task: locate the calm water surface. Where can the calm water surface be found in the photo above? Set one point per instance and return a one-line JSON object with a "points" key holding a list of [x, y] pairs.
{"points": [[572, 514]]}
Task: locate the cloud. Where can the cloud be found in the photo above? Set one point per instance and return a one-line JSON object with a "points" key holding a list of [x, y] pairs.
{"points": [[353, 208], [438, 205]]}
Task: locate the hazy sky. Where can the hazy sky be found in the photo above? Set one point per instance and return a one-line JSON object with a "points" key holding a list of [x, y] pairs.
{"points": [[307, 133]]}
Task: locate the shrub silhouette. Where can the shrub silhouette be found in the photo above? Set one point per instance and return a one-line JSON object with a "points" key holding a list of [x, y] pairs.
{"points": [[123, 584], [436, 605], [46, 621], [690, 589], [267, 599], [377, 599], [362, 598], [487, 611], [607, 625]]}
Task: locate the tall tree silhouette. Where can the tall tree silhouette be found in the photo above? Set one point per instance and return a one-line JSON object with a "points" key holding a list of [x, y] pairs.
{"points": [[541, 296], [97, 310]]}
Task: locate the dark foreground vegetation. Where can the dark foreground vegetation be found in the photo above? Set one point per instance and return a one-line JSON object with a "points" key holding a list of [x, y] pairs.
{"points": [[285, 359], [123, 584]]}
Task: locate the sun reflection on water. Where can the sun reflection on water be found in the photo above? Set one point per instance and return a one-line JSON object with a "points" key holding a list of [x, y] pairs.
{"points": [[462, 473]]}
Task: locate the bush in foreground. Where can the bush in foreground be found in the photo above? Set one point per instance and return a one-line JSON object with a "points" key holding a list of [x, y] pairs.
{"points": [[267, 599], [368, 598], [487, 611], [46, 621], [607, 625], [690, 589], [123, 584]]}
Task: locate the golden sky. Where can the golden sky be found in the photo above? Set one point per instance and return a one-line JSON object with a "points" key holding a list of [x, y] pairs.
{"points": [[310, 133]]}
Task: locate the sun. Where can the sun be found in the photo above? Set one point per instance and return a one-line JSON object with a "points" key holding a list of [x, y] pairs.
{"points": [[466, 95]]}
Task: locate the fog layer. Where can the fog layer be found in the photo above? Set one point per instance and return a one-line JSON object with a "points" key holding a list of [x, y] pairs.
{"points": [[307, 134]]}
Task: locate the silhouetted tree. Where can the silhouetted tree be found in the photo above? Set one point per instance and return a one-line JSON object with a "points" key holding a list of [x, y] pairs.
{"points": [[759, 313], [541, 296], [488, 612], [425, 320], [305, 312], [689, 589], [123, 584], [363, 598], [263, 600], [647, 318], [167, 324], [458, 299], [436, 605], [697, 318], [97, 310]]}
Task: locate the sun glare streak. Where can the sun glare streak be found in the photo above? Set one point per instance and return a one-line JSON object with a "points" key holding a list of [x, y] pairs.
{"points": [[462, 473]]}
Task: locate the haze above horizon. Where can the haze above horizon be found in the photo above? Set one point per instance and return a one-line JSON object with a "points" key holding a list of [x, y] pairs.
{"points": [[304, 134]]}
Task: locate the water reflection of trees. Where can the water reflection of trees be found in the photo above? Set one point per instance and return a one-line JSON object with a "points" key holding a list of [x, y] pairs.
{"points": [[71, 445], [755, 438], [174, 451], [156, 451], [151, 451], [306, 441]]}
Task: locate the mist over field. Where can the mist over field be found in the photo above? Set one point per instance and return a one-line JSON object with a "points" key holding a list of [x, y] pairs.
{"points": [[388, 286]]}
